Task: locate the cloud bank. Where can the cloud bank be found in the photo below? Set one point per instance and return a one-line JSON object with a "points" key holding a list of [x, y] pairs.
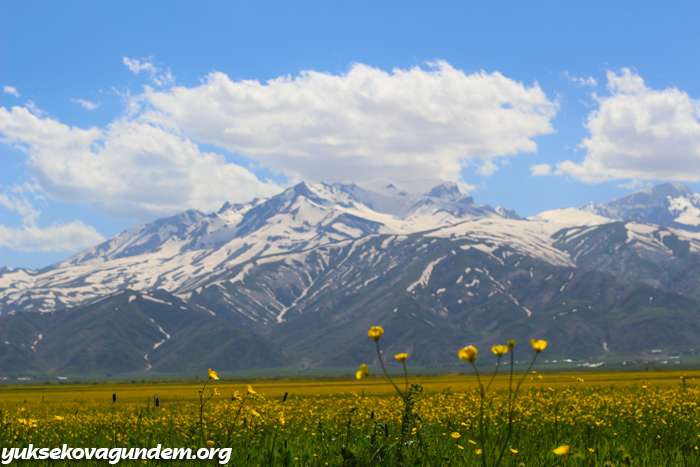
{"points": [[640, 133], [29, 237], [403, 124], [129, 169], [66, 237]]}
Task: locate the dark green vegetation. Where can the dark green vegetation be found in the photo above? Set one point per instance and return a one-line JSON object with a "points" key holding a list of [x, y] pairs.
{"points": [[118, 335]]}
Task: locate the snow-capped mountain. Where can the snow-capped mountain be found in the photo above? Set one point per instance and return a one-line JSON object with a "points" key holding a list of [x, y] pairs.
{"points": [[180, 253], [668, 204], [310, 268]]}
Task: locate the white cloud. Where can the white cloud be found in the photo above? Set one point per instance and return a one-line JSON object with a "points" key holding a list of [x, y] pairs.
{"points": [[86, 104], [10, 90], [16, 199], [368, 123], [129, 169], [633, 184], [487, 168], [580, 82], [540, 170], [156, 74], [67, 237], [405, 125], [640, 133], [29, 237]]}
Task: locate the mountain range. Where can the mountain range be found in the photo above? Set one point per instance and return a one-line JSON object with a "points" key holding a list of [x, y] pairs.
{"points": [[297, 279]]}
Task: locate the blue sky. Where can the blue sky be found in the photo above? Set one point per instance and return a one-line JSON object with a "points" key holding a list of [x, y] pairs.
{"points": [[117, 113]]}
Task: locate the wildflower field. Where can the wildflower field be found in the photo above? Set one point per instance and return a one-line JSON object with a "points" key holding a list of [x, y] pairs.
{"points": [[622, 419], [473, 419]]}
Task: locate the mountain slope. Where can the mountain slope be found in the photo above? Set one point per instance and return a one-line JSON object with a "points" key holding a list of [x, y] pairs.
{"points": [[434, 295], [131, 332]]}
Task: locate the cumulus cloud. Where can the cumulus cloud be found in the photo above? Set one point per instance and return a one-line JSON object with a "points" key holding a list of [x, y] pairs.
{"points": [[540, 170], [129, 169], [86, 104], [423, 122], [157, 75], [66, 237], [405, 124], [640, 133], [22, 199], [581, 82], [10, 90]]}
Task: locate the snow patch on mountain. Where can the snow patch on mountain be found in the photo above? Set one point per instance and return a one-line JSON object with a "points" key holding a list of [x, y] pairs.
{"points": [[687, 209], [425, 276], [570, 216]]}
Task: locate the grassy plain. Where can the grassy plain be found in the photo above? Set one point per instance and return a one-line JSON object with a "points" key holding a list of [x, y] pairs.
{"points": [[631, 418], [322, 387]]}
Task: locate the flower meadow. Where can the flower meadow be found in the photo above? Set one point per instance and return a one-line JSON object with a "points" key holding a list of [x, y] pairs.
{"points": [[503, 418]]}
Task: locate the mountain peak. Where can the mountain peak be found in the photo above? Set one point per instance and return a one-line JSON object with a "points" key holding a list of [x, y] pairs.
{"points": [[667, 204], [655, 195], [436, 188]]}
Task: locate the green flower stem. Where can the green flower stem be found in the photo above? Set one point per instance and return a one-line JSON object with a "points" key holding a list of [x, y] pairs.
{"points": [[379, 354], [201, 411], [498, 364], [511, 407], [235, 419], [405, 376], [482, 394]]}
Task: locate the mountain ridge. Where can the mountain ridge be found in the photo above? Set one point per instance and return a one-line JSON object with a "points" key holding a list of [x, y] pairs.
{"points": [[324, 260]]}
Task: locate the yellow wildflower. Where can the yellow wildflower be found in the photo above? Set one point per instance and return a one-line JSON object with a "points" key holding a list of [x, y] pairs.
{"points": [[280, 419], [478, 452], [499, 349], [212, 374], [210, 443], [254, 413], [468, 353], [250, 390], [401, 357], [513, 451], [363, 372], [562, 450], [456, 435], [375, 332], [472, 442], [58, 418], [539, 345]]}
